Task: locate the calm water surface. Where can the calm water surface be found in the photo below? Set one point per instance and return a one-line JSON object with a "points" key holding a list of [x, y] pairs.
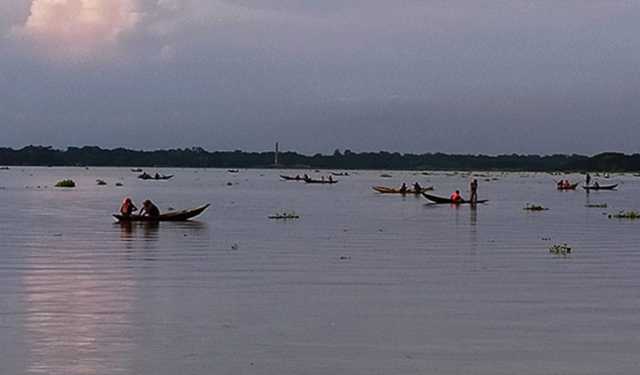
{"points": [[362, 284]]}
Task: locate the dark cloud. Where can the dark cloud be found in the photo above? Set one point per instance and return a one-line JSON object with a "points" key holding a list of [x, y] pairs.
{"points": [[462, 76]]}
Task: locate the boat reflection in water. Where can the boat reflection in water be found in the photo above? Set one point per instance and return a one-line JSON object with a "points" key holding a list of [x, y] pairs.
{"points": [[130, 230]]}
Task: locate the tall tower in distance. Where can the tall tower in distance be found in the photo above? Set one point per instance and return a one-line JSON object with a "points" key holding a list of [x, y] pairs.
{"points": [[275, 155]]}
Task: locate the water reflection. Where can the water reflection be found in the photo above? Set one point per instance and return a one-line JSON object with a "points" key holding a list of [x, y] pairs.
{"points": [[473, 214], [129, 230], [74, 314]]}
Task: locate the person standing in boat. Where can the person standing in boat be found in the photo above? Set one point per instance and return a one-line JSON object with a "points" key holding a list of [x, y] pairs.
{"points": [[473, 187], [588, 179], [403, 188], [149, 209], [127, 208]]}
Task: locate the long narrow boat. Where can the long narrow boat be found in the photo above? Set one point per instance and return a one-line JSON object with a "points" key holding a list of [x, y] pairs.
{"points": [[291, 178], [388, 190], [600, 187], [310, 181], [442, 200], [183, 215], [570, 187], [149, 177]]}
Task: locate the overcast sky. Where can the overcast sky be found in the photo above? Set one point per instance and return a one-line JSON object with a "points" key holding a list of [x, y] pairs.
{"points": [[405, 75]]}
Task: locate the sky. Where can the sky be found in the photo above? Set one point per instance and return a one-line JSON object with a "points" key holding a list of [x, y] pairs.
{"points": [[456, 76]]}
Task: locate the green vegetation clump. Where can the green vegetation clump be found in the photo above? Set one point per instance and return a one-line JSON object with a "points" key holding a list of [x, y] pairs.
{"points": [[65, 184], [563, 249], [625, 215], [534, 207]]}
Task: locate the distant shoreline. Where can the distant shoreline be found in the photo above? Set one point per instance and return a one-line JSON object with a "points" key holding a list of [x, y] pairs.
{"points": [[196, 157]]}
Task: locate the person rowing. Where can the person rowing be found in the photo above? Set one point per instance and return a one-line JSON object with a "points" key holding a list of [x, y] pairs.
{"points": [[127, 208], [403, 188], [149, 209]]}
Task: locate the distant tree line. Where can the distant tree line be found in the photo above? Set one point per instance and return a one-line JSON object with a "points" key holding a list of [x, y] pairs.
{"points": [[197, 157]]}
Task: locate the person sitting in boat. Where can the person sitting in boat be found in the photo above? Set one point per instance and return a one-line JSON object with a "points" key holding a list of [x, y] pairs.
{"points": [[403, 188], [456, 197], [149, 209], [417, 188], [145, 176], [127, 208], [330, 178], [306, 177], [596, 185], [157, 176]]}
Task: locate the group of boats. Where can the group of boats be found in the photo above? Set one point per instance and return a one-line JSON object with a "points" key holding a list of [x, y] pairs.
{"points": [[184, 215]]}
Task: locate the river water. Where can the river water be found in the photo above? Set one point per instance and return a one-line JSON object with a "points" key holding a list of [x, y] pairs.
{"points": [[362, 283]]}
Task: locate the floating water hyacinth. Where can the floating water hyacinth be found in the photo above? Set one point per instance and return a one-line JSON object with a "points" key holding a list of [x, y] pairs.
{"points": [[625, 215], [66, 184], [563, 249]]}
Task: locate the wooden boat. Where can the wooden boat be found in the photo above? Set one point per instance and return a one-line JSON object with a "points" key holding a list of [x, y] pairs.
{"points": [[570, 187], [312, 181], [136, 170], [291, 178], [340, 174], [145, 176], [600, 187], [388, 190], [285, 216], [442, 200], [183, 215]]}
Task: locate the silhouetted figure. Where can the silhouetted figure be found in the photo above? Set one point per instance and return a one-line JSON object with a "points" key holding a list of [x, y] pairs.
{"points": [[473, 186], [149, 209]]}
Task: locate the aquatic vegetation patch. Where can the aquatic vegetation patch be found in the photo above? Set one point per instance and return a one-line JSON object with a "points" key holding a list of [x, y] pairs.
{"points": [[534, 207], [563, 249], [633, 215], [68, 183]]}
